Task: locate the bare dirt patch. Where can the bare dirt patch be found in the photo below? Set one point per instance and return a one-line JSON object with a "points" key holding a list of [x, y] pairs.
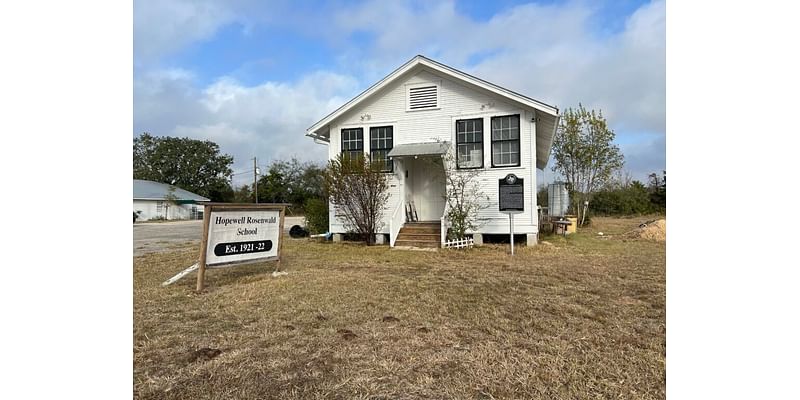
{"points": [[585, 321]]}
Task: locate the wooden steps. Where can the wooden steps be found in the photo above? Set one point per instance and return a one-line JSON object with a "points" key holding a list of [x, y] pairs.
{"points": [[426, 234]]}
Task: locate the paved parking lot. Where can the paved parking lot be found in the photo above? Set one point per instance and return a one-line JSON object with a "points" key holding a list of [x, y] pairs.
{"points": [[151, 237]]}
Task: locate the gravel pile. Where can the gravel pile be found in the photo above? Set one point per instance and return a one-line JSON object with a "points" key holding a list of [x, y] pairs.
{"points": [[656, 230]]}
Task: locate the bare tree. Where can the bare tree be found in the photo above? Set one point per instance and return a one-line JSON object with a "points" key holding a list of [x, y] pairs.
{"points": [[359, 191], [170, 199], [620, 179], [463, 195]]}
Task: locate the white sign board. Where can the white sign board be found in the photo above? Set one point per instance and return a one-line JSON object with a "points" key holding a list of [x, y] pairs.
{"points": [[242, 235]]}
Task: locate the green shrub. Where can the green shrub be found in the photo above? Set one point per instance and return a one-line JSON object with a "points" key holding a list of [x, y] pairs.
{"points": [[628, 200], [316, 211]]}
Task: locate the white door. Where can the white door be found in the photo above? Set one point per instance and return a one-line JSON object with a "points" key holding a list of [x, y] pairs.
{"points": [[427, 187]]}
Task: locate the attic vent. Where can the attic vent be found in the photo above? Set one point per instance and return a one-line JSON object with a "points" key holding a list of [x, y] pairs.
{"points": [[423, 97]]}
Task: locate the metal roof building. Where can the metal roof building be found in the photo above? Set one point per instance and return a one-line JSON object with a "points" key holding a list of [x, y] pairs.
{"points": [[150, 202], [149, 190]]}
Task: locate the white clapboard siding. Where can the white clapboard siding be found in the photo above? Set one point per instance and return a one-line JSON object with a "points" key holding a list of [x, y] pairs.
{"points": [[150, 210], [456, 101]]}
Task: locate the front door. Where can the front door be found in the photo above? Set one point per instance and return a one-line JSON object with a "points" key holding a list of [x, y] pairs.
{"points": [[427, 187]]}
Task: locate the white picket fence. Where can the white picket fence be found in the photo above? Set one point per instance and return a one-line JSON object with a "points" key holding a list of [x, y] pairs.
{"points": [[459, 243]]}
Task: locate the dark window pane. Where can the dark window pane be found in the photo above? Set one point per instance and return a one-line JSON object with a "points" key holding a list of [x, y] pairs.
{"points": [[469, 142], [381, 143], [506, 140]]}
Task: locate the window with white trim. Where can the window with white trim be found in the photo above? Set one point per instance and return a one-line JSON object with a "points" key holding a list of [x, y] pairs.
{"points": [[380, 143], [352, 143], [469, 143], [505, 141]]}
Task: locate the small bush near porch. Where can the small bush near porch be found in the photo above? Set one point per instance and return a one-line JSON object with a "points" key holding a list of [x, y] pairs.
{"points": [[582, 317]]}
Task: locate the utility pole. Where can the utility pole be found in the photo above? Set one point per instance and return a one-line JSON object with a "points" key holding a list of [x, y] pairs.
{"points": [[255, 180]]}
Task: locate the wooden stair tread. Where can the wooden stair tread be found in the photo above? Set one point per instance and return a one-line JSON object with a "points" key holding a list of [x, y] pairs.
{"points": [[416, 243], [420, 234]]}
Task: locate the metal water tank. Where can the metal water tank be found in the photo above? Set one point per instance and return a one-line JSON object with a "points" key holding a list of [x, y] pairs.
{"points": [[557, 199]]}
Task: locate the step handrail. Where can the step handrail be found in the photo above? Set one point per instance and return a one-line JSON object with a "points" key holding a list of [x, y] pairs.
{"points": [[396, 223], [444, 224]]}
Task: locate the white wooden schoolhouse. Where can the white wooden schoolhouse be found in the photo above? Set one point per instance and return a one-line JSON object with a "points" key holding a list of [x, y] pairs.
{"points": [[405, 119]]}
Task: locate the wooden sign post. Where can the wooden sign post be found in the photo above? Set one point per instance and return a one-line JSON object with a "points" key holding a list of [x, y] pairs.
{"points": [[236, 234]]}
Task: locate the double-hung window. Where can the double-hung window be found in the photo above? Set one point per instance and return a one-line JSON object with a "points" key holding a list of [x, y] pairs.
{"points": [[505, 141], [379, 146], [469, 143], [352, 143]]}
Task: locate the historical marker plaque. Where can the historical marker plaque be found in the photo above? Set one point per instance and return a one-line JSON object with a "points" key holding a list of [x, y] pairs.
{"points": [[511, 193]]}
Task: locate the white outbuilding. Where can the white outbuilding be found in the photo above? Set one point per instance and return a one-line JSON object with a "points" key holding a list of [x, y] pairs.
{"points": [[154, 200]]}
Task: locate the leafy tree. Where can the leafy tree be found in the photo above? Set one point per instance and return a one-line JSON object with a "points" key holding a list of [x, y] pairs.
{"points": [[222, 192], [316, 214], [243, 194], [658, 191], [358, 189], [291, 182], [584, 154], [194, 165], [273, 187], [629, 199]]}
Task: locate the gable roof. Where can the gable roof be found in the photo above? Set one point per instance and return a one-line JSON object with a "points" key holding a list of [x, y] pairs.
{"points": [[547, 115], [149, 190]]}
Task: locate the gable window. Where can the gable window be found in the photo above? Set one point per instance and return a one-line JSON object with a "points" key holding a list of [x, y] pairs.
{"points": [[469, 143], [352, 143], [505, 141], [380, 143]]}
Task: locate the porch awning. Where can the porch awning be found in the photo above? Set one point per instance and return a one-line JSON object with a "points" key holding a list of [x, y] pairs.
{"points": [[419, 149]]}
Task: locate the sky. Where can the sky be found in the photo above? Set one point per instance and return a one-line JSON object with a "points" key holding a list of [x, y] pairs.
{"points": [[252, 76]]}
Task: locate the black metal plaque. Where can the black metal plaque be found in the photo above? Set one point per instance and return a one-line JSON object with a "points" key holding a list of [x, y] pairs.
{"points": [[511, 193]]}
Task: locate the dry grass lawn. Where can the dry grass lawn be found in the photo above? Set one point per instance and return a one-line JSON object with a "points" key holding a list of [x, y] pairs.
{"points": [[581, 318]]}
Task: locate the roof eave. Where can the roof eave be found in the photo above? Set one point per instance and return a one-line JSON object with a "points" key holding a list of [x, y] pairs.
{"points": [[442, 68], [318, 138], [361, 96], [533, 103], [541, 163]]}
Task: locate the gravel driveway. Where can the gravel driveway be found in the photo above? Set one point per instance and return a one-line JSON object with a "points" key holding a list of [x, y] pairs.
{"points": [[149, 237]]}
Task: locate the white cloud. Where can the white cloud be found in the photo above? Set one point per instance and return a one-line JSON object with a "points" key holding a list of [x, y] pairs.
{"points": [[549, 52], [645, 157], [161, 27], [546, 51], [267, 120]]}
